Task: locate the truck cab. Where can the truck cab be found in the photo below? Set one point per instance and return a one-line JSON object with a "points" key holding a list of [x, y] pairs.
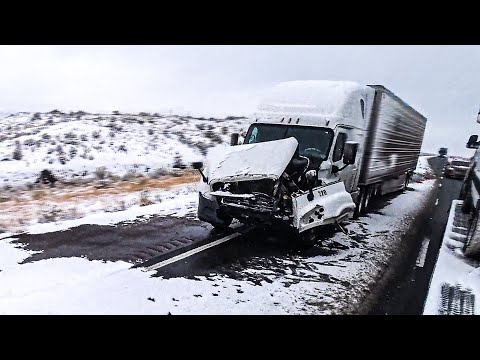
{"points": [[314, 154]]}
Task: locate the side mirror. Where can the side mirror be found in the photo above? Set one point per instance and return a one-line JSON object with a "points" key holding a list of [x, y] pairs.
{"points": [[198, 165], [473, 142], [350, 152], [234, 139]]}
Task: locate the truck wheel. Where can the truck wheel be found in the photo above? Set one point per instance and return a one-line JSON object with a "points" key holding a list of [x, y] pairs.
{"points": [[363, 201], [360, 203], [225, 222], [308, 238]]}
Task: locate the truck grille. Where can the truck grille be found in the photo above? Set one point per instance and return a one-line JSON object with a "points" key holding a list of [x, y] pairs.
{"points": [[260, 203]]}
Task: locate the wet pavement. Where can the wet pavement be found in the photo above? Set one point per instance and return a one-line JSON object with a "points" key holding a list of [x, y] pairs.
{"points": [[407, 292]]}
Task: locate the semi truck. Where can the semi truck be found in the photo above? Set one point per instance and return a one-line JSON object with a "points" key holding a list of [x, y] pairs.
{"points": [[316, 152]]}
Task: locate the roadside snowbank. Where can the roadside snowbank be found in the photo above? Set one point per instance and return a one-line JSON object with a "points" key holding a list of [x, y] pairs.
{"points": [[454, 270], [423, 167]]}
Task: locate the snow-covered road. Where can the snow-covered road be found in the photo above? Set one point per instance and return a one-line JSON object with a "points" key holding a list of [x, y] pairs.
{"points": [[334, 278]]}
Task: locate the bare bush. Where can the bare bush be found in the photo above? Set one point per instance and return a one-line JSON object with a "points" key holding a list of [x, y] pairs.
{"points": [[29, 142], [50, 215], [96, 134], [203, 147], [17, 153], [157, 173], [70, 135], [100, 172], [212, 135], [130, 175], [144, 200], [178, 162]]}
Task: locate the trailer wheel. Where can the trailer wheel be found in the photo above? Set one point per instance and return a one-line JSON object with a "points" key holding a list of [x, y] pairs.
{"points": [[367, 198], [407, 181], [360, 206]]}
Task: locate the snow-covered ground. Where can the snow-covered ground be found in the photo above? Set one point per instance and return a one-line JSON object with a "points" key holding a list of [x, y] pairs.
{"points": [[423, 167], [453, 270], [74, 145], [178, 202], [80, 286]]}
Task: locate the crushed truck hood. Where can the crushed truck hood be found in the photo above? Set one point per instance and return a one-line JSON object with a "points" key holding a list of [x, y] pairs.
{"points": [[250, 161]]}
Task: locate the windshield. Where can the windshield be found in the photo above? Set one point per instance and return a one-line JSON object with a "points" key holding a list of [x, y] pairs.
{"points": [[310, 139]]}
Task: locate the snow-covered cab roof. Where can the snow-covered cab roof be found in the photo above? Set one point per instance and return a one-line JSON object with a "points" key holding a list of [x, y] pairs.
{"points": [[314, 100]]}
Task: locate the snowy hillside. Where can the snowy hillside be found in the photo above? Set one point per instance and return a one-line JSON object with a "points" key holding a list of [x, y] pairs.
{"points": [[76, 144]]}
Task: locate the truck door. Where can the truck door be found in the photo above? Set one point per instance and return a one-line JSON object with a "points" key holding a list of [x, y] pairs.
{"points": [[349, 174]]}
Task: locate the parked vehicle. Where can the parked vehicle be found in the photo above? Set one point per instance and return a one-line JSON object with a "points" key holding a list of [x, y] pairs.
{"points": [[471, 199], [457, 167], [316, 154]]}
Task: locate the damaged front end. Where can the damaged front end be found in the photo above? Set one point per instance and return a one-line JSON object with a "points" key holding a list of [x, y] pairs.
{"points": [[249, 184], [253, 201]]}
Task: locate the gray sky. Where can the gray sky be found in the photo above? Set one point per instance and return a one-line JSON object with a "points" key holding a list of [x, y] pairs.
{"points": [[442, 82]]}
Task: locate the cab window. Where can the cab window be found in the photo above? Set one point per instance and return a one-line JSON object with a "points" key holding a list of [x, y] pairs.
{"points": [[339, 145]]}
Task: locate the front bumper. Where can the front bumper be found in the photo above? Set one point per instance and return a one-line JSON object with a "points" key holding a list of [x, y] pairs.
{"points": [[207, 210]]}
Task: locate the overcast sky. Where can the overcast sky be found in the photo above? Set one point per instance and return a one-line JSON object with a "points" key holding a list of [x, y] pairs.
{"points": [[442, 82]]}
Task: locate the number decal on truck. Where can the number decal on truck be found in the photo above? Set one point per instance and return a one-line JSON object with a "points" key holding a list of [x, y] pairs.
{"points": [[322, 192]]}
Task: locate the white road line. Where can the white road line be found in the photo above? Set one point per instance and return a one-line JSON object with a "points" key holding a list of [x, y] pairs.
{"points": [[436, 202], [423, 253], [192, 252]]}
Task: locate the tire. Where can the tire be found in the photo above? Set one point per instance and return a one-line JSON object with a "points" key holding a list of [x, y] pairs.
{"points": [[308, 238], [359, 208], [367, 199], [224, 223], [407, 181]]}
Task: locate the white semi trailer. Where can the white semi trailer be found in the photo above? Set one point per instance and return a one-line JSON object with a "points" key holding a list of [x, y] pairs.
{"points": [[316, 153]]}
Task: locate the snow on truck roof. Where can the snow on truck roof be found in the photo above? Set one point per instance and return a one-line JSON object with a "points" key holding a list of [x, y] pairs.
{"points": [[325, 99], [315, 97]]}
